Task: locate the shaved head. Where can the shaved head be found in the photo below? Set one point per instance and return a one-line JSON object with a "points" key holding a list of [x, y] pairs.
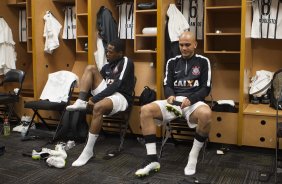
{"points": [[187, 44], [188, 35]]}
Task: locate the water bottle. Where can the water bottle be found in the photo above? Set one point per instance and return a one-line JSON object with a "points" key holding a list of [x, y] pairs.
{"points": [[7, 127]]}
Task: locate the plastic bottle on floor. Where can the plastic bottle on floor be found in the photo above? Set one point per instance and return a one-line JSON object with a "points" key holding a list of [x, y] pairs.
{"points": [[7, 127]]}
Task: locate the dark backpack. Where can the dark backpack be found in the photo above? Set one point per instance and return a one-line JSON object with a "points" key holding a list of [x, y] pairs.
{"points": [[148, 95], [276, 89], [74, 126]]}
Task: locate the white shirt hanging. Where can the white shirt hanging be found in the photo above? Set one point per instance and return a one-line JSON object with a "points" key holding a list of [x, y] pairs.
{"points": [[177, 23], [51, 32], [7, 48]]}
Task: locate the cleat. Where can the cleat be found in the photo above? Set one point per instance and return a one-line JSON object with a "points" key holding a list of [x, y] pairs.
{"points": [[78, 105], [39, 155], [176, 110], [58, 152], [145, 171]]}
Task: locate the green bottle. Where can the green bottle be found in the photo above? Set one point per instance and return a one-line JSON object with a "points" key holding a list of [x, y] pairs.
{"points": [[7, 127]]}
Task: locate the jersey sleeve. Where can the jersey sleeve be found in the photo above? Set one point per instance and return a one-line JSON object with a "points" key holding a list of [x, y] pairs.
{"points": [[168, 80]]}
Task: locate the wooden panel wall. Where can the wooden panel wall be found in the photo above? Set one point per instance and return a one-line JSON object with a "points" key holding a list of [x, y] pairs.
{"points": [[62, 58]]}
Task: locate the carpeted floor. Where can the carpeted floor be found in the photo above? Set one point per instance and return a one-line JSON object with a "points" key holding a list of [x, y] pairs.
{"points": [[237, 165]]}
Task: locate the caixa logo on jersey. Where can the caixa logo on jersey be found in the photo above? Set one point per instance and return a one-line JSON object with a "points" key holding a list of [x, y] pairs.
{"points": [[196, 70], [186, 83]]}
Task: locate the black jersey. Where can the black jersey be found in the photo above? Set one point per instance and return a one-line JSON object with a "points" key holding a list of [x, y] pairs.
{"points": [[119, 76], [190, 78]]}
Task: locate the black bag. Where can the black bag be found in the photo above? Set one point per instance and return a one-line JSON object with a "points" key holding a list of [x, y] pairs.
{"points": [[276, 89], [148, 95], [74, 126]]}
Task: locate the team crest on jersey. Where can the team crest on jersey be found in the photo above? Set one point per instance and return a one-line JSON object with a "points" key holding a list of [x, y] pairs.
{"points": [[196, 70]]}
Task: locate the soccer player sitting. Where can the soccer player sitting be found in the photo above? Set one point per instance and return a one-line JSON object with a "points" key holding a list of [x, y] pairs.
{"points": [[187, 82]]}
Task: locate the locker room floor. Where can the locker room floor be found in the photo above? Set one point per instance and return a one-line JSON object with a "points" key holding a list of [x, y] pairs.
{"points": [[238, 165]]}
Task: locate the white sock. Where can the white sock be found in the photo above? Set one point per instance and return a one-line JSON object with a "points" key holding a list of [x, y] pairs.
{"points": [[151, 148], [87, 152], [190, 168]]}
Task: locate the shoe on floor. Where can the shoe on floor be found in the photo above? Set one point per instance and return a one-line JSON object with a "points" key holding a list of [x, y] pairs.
{"points": [[57, 162], [78, 105], [147, 168], [176, 110], [39, 155], [58, 152]]}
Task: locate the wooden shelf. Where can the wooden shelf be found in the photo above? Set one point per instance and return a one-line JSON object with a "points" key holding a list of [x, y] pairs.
{"points": [[19, 4], [145, 35], [224, 8], [65, 1], [145, 51], [223, 34], [82, 52], [222, 52], [82, 14], [260, 110], [82, 36], [152, 11]]}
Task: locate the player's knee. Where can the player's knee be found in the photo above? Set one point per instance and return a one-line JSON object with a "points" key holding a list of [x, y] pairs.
{"points": [[91, 68], [145, 111], [205, 115], [98, 109]]}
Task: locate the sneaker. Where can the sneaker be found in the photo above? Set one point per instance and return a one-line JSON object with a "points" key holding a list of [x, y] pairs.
{"points": [[58, 152], [147, 168], [176, 110], [57, 162], [18, 128], [254, 99], [78, 105], [42, 155]]}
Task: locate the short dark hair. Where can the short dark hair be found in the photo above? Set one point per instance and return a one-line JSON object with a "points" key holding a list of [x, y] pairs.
{"points": [[118, 44]]}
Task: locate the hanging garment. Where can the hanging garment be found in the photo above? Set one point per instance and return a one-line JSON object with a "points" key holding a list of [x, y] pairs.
{"points": [[100, 55], [106, 26], [267, 19], [126, 21], [51, 32], [177, 23], [193, 11], [69, 31], [7, 48], [22, 25]]}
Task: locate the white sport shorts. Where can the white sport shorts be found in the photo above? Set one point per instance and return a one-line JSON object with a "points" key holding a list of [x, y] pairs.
{"points": [[187, 111], [119, 101]]}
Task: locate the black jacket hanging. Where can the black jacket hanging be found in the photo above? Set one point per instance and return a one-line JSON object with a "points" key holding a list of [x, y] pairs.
{"points": [[106, 25]]}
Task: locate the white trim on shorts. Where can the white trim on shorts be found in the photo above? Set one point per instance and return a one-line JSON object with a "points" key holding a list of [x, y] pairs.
{"points": [[187, 111], [119, 101]]}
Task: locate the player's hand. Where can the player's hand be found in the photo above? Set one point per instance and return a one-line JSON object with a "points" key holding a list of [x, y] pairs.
{"points": [[185, 103], [171, 99]]}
